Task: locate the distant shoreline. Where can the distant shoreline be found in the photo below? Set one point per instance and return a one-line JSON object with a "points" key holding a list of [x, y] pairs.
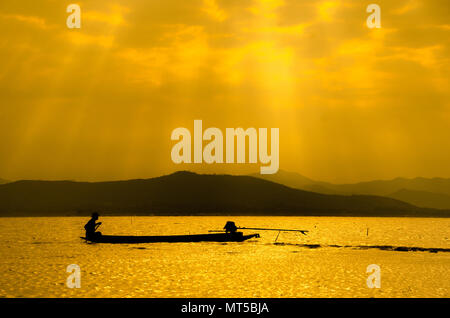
{"points": [[213, 216]]}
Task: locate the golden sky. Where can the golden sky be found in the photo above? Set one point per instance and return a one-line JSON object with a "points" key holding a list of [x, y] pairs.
{"points": [[100, 102]]}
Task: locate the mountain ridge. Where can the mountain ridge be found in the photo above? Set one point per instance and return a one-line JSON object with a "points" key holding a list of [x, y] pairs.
{"points": [[188, 193], [440, 187]]}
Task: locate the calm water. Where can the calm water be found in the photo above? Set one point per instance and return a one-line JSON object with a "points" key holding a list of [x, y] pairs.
{"points": [[329, 262]]}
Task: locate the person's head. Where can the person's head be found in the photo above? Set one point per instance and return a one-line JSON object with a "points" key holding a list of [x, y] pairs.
{"points": [[95, 216]]}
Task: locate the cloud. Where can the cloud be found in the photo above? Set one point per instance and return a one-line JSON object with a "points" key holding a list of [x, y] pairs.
{"points": [[115, 16], [351, 102], [212, 9], [31, 20]]}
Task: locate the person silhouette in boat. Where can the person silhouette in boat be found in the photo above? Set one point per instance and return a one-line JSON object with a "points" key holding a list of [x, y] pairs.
{"points": [[91, 227], [230, 227]]}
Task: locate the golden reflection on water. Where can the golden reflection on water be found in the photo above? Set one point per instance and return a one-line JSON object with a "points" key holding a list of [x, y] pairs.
{"points": [[35, 252]]}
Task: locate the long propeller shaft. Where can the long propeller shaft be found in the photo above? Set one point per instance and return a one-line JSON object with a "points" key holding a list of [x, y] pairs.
{"points": [[280, 230]]}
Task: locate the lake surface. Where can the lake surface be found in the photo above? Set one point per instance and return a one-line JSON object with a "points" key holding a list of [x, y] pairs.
{"points": [[331, 261]]}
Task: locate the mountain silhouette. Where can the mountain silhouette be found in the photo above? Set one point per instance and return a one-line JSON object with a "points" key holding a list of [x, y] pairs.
{"points": [[423, 198], [187, 193], [424, 192]]}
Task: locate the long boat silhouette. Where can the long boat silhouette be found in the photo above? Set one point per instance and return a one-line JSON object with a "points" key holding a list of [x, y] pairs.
{"points": [[231, 235]]}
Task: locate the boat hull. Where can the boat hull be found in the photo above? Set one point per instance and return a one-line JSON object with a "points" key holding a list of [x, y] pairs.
{"points": [[219, 237]]}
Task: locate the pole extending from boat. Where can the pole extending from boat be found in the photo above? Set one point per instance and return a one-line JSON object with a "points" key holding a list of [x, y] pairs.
{"points": [[280, 230], [265, 229]]}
